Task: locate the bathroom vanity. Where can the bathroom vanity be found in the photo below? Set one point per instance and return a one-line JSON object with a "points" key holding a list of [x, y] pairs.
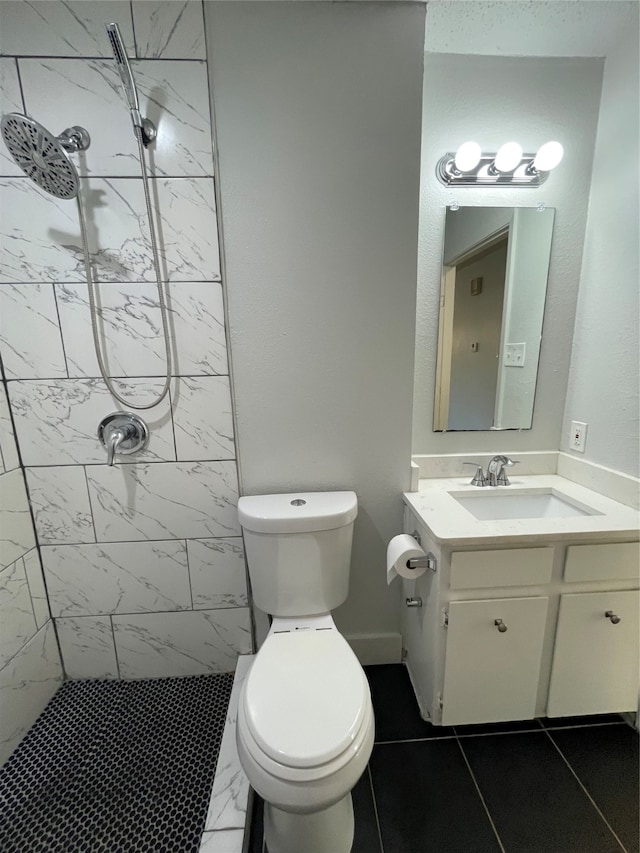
{"points": [[531, 607]]}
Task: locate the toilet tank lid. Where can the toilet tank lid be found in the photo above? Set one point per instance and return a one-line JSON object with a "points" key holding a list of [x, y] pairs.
{"points": [[298, 512]]}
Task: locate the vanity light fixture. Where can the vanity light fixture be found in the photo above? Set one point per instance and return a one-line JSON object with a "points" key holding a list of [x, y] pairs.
{"points": [[469, 167]]}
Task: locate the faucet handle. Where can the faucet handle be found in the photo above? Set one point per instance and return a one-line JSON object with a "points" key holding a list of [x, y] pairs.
{"points": [[503, 480], [122, 432], [478, 478]]}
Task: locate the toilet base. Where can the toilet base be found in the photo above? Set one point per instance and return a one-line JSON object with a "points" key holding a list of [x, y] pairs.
{"points": [[326, 831]]}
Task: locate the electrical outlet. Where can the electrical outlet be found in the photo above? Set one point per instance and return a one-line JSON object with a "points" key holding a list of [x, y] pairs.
{"points": [[578, 437], [514, 355]]}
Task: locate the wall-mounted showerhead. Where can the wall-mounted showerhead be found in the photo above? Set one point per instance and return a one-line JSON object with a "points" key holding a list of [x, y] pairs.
{"points": [[146, 127], [42, 156]]}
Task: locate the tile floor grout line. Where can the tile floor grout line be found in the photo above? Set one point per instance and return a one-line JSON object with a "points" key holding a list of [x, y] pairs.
{"points": [[413, 740], [587, 794], [584, 726], [482, 799], [375, 808], [498, 734]]}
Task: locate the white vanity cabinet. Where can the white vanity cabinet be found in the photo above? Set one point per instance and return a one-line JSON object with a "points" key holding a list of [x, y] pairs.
{"points": [[492, 659], [520, 630], [595, 660]]}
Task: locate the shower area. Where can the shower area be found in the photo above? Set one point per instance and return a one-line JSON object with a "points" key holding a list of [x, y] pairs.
{"points": [[128, 576]]}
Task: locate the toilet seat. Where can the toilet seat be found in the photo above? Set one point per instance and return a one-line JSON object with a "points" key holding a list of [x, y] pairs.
{"points": [[305, 705]]}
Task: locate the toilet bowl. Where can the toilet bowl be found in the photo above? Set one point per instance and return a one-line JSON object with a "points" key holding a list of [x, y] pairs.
{"points": [[305, 721], [305, 726]]}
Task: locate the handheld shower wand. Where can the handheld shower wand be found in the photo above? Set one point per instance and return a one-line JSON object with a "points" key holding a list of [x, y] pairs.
{"points": [[146, 127]]}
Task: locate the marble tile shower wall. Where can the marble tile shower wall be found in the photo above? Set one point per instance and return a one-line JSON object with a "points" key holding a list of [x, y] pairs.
{"points": [[30, 670], [143, 562]]}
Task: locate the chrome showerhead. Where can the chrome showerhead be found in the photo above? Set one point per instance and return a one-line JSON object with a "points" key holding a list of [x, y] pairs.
{"points": [[42, 156], [147, 127]]}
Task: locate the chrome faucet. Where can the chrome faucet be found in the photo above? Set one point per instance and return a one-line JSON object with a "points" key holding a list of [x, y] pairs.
{"points": [[496, 475]]}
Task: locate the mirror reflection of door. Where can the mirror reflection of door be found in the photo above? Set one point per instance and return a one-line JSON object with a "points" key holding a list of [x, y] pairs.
{"points": [[473, 292], [492, 297], [477, 323]]}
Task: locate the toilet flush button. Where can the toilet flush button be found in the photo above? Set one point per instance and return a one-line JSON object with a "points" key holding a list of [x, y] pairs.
{"points": [[298, 502]]}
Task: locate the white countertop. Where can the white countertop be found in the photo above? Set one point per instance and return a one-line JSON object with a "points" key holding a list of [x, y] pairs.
{"points": [[449, 522]]}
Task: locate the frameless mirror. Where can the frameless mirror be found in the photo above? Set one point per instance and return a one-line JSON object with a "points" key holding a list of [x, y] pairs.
{"points": [[493, 288]]}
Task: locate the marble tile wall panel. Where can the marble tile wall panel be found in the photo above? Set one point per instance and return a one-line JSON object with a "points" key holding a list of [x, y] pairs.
{"points": [[198, 318], [60, 503], [16, 528], [222, 841], [57, 420], [169, 29], [30, 339], [230, 792], [40, 235], [17, 621], [158, 645], [202, 418], [124, 577], [37, 588], [8, 449], [181, 500], [217, 571], [87, 648], [138, 515], [27, 683], [131, 329], [174, 95], [10, 102], [72, 28]]}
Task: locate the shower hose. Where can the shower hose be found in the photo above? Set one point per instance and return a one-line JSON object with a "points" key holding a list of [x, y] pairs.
{"points": [[161, 297]]}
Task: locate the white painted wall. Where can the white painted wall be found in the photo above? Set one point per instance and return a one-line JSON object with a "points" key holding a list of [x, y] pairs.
{"points": [[492, 100], [604, 379], [318, 127]]}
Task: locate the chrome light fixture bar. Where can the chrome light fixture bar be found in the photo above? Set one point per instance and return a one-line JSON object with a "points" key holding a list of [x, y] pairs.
{"points": [[468, 167]]}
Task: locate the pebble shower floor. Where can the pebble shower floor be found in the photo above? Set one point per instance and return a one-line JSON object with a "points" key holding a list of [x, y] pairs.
{"points": [[117, 766]]}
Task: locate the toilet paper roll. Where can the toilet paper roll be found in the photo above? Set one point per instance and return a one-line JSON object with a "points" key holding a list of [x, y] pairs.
{"points": [[400, 549]]}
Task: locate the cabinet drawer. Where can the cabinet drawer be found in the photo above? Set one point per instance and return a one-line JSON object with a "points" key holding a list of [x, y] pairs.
{"points": [[602, 562], [492, 671], [595, 661], [510, 567]]}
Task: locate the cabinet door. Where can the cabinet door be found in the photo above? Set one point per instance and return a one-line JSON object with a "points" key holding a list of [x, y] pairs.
{"points": [[491, 674], [595, 661]]}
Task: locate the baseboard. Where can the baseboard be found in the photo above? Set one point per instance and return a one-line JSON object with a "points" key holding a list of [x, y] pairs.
{"points": [[376, 648]]}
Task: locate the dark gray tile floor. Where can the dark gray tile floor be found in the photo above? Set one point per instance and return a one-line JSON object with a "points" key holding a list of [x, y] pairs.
{"points": [[537, 786]]}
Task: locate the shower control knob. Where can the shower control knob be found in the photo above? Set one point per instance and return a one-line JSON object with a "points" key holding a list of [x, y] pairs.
{"points": [[122, 432], [612, 617], [500, 625]]}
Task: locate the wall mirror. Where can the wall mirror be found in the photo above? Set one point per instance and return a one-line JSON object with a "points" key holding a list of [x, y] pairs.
{"points": [[493, 288]]}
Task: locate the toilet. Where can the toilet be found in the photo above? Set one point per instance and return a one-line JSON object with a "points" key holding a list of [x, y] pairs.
{"points": [[305, 725]]}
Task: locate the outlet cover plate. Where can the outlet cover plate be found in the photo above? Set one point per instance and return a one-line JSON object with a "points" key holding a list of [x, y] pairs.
{"points": [[514, 355], [578, 437]]}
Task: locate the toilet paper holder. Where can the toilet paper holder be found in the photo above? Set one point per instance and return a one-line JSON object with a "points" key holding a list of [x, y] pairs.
{"points": [[427, 562]]}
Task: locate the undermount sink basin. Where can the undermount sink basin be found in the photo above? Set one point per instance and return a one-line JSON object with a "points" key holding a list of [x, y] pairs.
{"points": [[501, 503]]}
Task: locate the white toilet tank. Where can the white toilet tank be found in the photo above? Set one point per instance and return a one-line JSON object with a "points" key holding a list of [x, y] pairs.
{"points": [[298, 550]]}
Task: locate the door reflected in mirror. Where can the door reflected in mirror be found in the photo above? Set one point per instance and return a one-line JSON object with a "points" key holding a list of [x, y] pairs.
{"points": [[493, 288]]}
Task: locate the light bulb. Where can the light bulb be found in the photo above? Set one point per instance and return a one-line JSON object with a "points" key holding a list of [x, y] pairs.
{"points": [[467, 156], [508, 157], [548, 156]]}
